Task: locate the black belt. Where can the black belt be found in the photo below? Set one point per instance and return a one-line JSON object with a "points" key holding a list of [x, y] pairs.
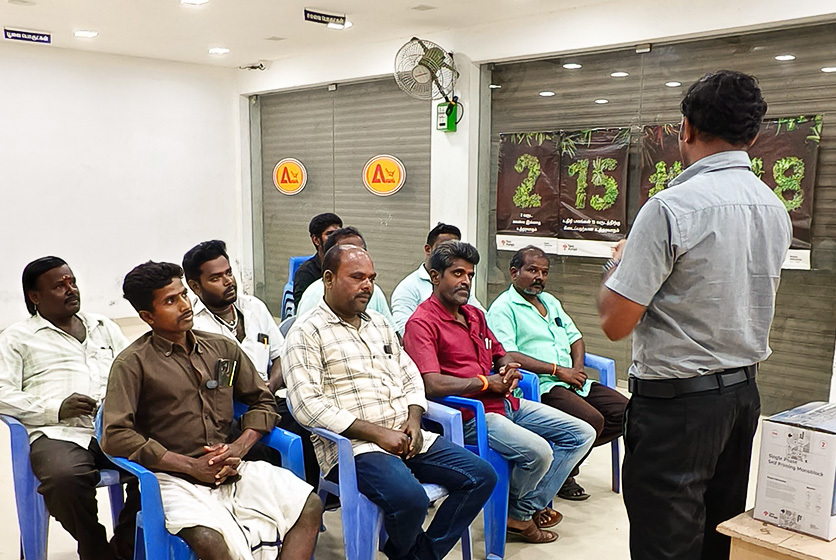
{"points": [[671, 388]]}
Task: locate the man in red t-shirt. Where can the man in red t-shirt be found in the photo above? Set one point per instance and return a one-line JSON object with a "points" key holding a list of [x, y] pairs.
{"points": [[455, 351]]}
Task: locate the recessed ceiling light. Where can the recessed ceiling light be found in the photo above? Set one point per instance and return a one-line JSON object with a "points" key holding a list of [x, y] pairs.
{"points": [[346, 25], [602, 101], [275, 38], [546, 94], [785, 57], [572, 66], [673, 84], [619, 74], [194, 2], [497, 86], [86, 33], [218, 51], [829, 69], [423, 8], [22, 2]]}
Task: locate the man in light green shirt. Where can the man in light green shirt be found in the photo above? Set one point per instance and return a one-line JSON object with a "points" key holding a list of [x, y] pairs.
{"points": [[538, 334]]}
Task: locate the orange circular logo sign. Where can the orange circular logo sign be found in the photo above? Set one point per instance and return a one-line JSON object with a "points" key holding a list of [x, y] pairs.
{"points": [[384, 175], [290, 176]]}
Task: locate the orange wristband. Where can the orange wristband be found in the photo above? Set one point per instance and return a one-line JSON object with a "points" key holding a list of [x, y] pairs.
{"points": [[484, 382], [554, 369]]}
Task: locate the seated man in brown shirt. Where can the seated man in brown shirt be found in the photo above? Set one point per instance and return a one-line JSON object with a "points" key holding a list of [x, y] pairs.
{"points": [[169, 407]]}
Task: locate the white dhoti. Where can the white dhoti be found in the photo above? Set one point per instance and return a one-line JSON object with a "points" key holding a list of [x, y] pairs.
{"points": [[253, 514]]}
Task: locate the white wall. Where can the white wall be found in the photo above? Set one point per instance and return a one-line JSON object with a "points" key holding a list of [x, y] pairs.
{"points": [[108, 161]]}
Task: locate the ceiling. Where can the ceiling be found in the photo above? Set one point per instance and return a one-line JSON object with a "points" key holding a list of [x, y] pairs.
{"points": [[253, 30]]}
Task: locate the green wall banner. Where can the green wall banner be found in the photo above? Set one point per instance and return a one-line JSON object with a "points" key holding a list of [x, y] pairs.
{"points": [[564, 192], [784, 156]]}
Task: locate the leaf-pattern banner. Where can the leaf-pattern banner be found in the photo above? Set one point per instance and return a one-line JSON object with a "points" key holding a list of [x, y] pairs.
{"points": [[566, 184], [784, 156]]}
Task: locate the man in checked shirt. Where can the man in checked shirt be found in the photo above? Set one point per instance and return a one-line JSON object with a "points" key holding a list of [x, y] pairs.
{"points": [[347, 373]]}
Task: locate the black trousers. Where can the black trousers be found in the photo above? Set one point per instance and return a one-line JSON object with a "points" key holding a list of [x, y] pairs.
{"points": [[69, 474], [686, 469]]}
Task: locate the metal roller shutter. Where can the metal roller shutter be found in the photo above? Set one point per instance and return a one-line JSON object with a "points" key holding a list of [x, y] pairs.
{"points": [[334, 134], [803, 332]]}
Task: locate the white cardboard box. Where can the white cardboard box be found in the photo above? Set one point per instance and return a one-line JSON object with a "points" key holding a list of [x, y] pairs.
{"points": [[797, 470]]}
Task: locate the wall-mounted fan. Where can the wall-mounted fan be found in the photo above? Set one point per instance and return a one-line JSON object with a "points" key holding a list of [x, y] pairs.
{"points": [[425, 71]]}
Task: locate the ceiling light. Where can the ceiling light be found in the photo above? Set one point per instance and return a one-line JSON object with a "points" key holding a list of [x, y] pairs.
{"points": [[194, 2], [86, 33], [602, 101], [619, 74], [22, 2], [218, 51], [546, 94], [572, 66], [785, 57], [497, 86], [829, 69], [673, 84], [345, 25]]}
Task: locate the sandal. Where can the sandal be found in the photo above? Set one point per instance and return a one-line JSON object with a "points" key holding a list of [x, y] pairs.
{"points": [[547, 517], [573, 491], [533, 534]]}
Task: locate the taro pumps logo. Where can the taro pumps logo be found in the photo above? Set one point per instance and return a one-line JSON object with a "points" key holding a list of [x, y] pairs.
{"points": [[290, 176], [384, 175]]}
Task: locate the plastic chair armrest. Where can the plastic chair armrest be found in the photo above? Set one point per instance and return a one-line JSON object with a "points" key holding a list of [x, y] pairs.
{"points": [[530, 386], [478, 410], [605, 367], [450, 420], [345, 458]]}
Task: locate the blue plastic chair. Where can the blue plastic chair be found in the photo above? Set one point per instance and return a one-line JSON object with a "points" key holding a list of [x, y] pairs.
{"points": [[362, 521], [32, 515], [288, 305], [496, 508], [153, 541], [606, 377]]}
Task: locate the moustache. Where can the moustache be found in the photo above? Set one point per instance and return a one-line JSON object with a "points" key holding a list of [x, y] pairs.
{"points": [[187, 315]]}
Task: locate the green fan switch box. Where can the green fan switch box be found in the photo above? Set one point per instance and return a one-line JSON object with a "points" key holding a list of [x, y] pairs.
{"points": [[446, 117]]}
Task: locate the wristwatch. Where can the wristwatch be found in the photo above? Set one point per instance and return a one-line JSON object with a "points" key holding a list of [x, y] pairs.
{"points": [[609, 265]]}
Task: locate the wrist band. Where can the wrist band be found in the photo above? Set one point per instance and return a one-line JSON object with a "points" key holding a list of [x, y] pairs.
{"points": [[484, 382], [554, 369]]}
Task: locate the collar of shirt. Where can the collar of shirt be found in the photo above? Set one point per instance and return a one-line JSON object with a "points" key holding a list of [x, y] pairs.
{"points": [[423, 274], [333, 318], [518, 299], [38, 323], [469, 312], [167, 347], [714, 162]]}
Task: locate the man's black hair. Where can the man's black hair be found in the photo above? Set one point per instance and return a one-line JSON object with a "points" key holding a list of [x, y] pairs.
{"points": [[140, 283], [442, 229], [32, 272], [448, 252], [321, 222], [202, 253], [519, 258], [725, 104], [339, 235]]}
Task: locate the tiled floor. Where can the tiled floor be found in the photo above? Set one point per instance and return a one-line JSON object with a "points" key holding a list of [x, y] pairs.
{"points": [[594, 529]]}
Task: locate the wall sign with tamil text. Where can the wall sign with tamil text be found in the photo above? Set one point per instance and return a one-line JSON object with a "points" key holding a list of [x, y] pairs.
{"points": [[290, 176], [384, 175], [784, 156]]}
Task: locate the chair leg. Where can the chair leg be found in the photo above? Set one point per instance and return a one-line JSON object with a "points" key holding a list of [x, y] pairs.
{"points": [[117, 502], [616, 467], [467, 545], [496, 511]]}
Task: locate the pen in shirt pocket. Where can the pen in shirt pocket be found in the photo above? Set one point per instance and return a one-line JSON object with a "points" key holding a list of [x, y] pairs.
{"points": [[488, 343], [109, 348]]}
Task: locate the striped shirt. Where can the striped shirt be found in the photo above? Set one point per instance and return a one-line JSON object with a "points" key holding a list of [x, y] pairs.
{"points": [[41, 365], [337, 374]]}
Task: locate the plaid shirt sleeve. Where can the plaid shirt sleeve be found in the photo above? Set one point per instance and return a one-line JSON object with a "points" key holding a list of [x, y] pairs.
{"points": [[304, 374]]}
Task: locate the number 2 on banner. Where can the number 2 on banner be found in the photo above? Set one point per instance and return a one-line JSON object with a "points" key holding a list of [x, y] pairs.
{"points": [[523, 198]]}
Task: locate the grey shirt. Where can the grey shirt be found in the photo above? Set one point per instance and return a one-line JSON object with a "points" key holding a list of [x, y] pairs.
{"points": [[704, 256]]}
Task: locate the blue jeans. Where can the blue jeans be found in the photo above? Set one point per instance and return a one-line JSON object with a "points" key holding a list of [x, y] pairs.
{"points": [[395, 487], [544, 445]]}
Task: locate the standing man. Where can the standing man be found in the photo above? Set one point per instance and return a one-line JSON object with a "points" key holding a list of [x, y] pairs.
{"points": [[696, 279], [417, 287], [455, 352], [347, 373], [320, 228], [220, 309], [538, 334], [169, 407], [53, 374]]}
